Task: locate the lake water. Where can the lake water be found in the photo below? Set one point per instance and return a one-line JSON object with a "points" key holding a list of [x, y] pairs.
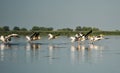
{"points": [[60, 56]]}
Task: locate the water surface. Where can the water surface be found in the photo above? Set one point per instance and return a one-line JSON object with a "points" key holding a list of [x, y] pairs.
{"points": [[60, 56]]}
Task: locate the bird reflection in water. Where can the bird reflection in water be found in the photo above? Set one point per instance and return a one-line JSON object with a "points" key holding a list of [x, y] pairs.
{"points": [[32, 51], [83, 53], [32, 46], [53, 52], [50, 53], [74, 50], [2, 47], [4, 53]]}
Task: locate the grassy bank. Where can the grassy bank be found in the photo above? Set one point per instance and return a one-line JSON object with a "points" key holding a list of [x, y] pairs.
{"points": [[66, 33]]}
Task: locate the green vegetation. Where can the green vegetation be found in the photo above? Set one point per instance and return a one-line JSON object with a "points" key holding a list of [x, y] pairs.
{"points": [[64, 31], [36, 28]]}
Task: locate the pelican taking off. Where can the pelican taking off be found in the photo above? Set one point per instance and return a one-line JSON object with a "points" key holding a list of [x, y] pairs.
{"points": [[80, 36], [33, 37], [50, 36], [95, 38], [73, 39], [7, 39]]}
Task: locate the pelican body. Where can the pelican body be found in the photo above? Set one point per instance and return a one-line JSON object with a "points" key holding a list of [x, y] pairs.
{"points": [[95, 38], [80, 36], [50, 36], [33, 37], [7, 39]]}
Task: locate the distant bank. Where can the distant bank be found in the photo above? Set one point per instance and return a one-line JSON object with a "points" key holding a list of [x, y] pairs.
{"points": [[5, 30], [61, 33]]}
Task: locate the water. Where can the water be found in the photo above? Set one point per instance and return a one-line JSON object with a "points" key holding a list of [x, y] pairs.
{"points": [[60, 56]]}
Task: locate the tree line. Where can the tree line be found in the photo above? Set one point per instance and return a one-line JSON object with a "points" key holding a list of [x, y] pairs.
{"points": [[37, 28], [5, 30]]}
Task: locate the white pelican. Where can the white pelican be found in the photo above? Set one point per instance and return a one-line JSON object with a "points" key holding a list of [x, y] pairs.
{"points": [[83, 37], [33, 37], [95, 38], [73, 39], [80, 36], [50, 36], [7, 39]]}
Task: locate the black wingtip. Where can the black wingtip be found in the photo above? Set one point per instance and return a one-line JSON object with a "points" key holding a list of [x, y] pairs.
{"points": [[88, 33]]}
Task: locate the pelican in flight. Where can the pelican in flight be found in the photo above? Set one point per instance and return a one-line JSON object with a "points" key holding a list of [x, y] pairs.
{"points": [[50, 36], [33, 37], [7, 39]]}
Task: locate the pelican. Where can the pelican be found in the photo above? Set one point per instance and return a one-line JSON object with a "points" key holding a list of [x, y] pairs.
{"points": [[83, 37], [77, 37], [33, 37], [73, 39], [50, 36], [7, 39], [95, 38], [80, 36]]}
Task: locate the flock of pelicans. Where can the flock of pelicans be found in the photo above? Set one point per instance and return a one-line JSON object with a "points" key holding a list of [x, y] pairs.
{"points": [[79, 37]]}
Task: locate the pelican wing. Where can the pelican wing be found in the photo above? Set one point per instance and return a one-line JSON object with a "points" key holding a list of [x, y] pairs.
{"points": [[13, 35], [37, 34], [88, 33], [8, 38], [33, 35]]}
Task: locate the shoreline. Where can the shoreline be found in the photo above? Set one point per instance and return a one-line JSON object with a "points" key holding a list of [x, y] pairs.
{"points": [[64, 33]]}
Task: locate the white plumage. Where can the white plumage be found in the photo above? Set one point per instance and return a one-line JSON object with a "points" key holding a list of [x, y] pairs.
{"points": [[73, 39], [7, 39], [95, 38], [50, 36], [80, 36], [33, 37]]}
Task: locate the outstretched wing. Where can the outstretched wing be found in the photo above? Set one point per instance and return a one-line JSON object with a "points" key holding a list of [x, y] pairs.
{"points": [[33, 35], [37, 34], [8, 38], [11, 35], [88, 33]]}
